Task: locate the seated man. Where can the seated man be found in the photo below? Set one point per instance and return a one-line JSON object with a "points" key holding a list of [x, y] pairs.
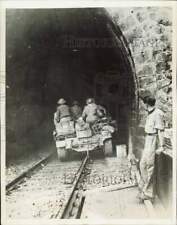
{"points": [[62, 118], [63, 111], [76, 110], [90, 112]]}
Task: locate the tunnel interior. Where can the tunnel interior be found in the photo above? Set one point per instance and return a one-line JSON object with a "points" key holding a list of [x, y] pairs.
{"points": [[69, 53]]}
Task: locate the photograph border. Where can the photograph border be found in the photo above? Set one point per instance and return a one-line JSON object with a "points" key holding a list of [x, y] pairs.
{"points": [[80, 4]]}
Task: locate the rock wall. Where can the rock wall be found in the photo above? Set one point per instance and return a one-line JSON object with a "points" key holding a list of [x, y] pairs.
{"points": [[148, 31], [149, 34]]}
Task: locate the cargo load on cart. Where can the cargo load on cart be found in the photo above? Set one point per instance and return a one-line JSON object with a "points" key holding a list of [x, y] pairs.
{"points": [[80, 137]]}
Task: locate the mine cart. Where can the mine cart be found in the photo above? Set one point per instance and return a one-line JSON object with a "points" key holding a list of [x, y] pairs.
{"points": [[80, 137]]}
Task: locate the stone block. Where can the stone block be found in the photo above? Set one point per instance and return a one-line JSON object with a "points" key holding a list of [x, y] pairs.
{"points": [[147, 80], [141, 16], [158, 29], [152, 15], [139, 59], [130, 22], [164, 21], [137, 32], [160, 66], [148, 70], [162, 83]]}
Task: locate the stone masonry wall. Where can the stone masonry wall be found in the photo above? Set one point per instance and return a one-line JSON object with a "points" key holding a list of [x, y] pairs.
{"points": [[148, 31], [149, 34]]}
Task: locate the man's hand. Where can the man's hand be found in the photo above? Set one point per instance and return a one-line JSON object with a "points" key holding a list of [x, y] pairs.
{"points": [[132, 159], [159, 150]]}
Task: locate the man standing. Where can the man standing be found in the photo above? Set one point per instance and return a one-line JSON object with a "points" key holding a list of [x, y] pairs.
{"points": [[154, 129]]}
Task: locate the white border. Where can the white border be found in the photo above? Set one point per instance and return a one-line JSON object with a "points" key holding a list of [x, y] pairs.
{"points": [[2, 107], [174, 91], [80, 4]]}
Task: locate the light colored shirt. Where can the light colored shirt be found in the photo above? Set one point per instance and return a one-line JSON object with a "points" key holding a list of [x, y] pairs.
{"points": [[155, 121], [90, 113], [62, 111]]}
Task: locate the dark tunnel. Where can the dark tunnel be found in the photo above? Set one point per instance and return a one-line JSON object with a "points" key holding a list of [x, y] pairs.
{"points": [[69, 53]]}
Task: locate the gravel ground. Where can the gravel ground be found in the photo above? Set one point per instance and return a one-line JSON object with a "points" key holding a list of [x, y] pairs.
{"points": [[44, 194], [109, 171], [17, 166]]}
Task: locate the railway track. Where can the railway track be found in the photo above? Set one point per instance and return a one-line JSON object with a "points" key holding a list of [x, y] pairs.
{"points": [[43, 191], [26, 174], [54, 189], [73, 206]]}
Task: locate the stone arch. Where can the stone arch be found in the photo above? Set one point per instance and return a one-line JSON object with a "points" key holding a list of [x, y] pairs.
{"points": [[48, 68], [130, 60], [135, 104]]}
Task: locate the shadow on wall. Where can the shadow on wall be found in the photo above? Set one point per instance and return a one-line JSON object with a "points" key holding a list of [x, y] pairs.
{"points": [[34, 130], [163, 171]]}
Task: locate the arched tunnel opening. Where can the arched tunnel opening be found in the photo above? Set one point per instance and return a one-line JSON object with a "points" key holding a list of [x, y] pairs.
{"points": [[69, 53]]}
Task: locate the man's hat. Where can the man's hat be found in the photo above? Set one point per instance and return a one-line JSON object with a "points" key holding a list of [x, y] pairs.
{"points": [[90, 100], [61, 101]]}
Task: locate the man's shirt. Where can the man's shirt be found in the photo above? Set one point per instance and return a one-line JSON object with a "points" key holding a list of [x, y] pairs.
{"points": [[154, 121], [90, 112], [76, 111], [62, 111]]}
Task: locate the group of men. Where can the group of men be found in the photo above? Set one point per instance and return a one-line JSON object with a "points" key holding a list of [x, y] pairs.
{"points": [[90, 114]]}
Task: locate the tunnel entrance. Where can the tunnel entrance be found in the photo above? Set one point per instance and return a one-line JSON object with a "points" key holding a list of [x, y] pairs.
{"points": [[70, 53]]}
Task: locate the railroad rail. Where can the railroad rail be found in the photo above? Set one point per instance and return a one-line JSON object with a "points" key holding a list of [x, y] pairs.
{"points": [[14, 183], [46, 189], [73, 205], [59, 189]]}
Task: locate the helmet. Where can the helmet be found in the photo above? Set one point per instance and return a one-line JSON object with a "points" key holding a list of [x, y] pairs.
{"points": [[75, 103], [90, 100], [61, 101]]}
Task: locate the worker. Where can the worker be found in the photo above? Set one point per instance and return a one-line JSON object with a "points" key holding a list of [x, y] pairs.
{"points": [[90, 112], [154, 129], [63, 112], [76, 110]]}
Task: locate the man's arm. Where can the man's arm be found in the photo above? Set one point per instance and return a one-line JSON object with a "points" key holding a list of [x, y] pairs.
{"points": [[55, 119], [84, 114], [57, 116], [160, 126], [161, 137], [161, 142]]}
